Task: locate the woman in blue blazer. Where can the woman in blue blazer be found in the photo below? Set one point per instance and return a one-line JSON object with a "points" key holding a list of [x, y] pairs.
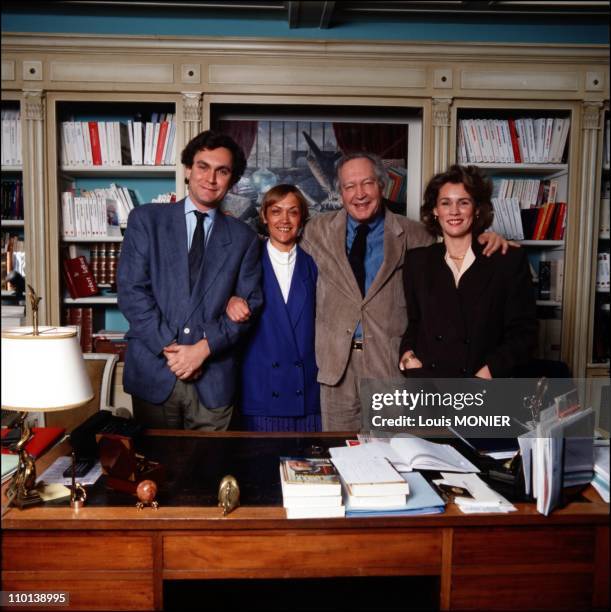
{"points": [[279, 391]]}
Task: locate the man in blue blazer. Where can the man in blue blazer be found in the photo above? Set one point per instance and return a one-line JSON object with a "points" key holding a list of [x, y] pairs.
{"points": [[179, 265]]}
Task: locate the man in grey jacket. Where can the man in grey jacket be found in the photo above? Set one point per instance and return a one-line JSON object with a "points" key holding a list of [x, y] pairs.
{"points": [[361, 312]]}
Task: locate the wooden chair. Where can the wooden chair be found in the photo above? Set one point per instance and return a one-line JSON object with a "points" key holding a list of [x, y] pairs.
{"points": [[100, 367]]}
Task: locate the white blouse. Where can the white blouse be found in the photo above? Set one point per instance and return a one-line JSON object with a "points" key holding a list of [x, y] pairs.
{"points": [[283, 264], [466, 264]]}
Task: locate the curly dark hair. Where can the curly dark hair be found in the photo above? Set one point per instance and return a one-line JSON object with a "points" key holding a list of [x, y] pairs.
{"points": [[213, 140], [476, 185]]}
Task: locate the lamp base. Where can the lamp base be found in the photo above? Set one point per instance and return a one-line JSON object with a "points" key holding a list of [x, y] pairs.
{"points": [[22, 491], [25, 499]]}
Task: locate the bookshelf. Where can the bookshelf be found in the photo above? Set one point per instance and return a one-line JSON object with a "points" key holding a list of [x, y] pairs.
{"points": [[106, 160], [12, 218], [599, 350], [525, 151]]}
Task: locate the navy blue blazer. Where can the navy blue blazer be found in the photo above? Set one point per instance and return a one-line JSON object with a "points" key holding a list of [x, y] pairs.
{"points": [[279, 366], [154, 296]]}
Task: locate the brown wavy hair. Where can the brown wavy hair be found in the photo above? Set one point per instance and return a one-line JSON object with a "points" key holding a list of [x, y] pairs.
{"points": [[476, 185]]}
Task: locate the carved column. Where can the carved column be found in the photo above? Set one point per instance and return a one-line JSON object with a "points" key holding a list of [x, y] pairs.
{"points": [[441, 133], [191, 114], [192, 126], [38, 240], [580, 260]]}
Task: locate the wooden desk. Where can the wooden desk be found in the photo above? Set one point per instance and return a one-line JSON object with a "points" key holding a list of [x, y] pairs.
{"points": [[117, 557]]}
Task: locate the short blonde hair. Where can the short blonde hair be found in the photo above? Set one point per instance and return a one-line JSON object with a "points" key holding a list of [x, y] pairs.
{"points": [[279, 192]]}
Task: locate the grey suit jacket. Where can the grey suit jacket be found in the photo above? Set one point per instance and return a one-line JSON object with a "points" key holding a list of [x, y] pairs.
{"points": [[340, 306]]}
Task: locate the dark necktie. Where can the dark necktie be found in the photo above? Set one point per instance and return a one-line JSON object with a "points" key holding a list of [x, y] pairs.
{"points": [[196, 252], [356, 257]]}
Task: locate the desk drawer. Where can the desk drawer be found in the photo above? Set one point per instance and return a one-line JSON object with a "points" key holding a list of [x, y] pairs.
{"points": [[88, 590], [76, 552], [523, 568], [302, 554]]}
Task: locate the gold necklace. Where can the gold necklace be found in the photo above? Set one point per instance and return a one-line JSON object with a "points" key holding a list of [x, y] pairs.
{"points": [[459, 257]]}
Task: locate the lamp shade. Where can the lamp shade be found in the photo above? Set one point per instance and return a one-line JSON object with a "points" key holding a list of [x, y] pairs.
{"points": [[43, 372]]}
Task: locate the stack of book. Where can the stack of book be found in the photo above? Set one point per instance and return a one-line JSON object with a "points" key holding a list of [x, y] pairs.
{"points": [[310, 488], [370, 483], [526, 140], [11, 138], [116, 143]]}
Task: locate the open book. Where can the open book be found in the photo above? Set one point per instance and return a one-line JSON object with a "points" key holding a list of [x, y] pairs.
{"points": [[408, 453], [419, 454]]}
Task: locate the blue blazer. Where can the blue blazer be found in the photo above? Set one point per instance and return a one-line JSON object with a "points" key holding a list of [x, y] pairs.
{"points": [[279, 367], [154, 296]]}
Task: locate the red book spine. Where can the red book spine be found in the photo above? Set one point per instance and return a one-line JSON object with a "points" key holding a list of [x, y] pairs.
{"points": [[96, 151], [560, 219], [539, 223], [87, 330], [76, 318], [514, 141], [69, 280], [163, 134], [547, 220]]}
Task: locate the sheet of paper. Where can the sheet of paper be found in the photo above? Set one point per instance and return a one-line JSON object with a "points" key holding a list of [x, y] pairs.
{"points": [[365, 470], [54, 473], [369, 450]]}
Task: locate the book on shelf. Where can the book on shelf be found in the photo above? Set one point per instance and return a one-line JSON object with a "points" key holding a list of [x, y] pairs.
{"points": [[43, 438], [11, 137], [108, 143], [12, 200], [79, 278], [605, 198], [602, 272], [514, 140], [81, 318]]}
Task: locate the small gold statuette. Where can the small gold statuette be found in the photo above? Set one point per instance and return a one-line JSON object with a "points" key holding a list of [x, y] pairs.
{"points": [[229, 494]]}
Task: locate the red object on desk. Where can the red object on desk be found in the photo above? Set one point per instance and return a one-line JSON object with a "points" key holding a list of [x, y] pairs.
{"points": [[42, 439]]}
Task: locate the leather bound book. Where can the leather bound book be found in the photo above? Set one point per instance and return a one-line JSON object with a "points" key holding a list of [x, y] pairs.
{"points": [[79, 278]]}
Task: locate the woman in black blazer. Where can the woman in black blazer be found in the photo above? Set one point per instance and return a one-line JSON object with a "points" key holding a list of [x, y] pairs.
{"points": [[469, 314]]}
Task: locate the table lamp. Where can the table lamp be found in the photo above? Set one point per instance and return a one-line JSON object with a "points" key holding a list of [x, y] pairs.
{"points": [[42, 370]]}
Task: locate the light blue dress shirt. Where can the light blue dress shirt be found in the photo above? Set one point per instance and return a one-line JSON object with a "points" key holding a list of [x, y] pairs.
{"points": [[374, 255], [191, 220]]}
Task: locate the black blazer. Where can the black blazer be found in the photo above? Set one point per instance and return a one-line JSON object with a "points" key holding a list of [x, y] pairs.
{"points": [[489, 319]]}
